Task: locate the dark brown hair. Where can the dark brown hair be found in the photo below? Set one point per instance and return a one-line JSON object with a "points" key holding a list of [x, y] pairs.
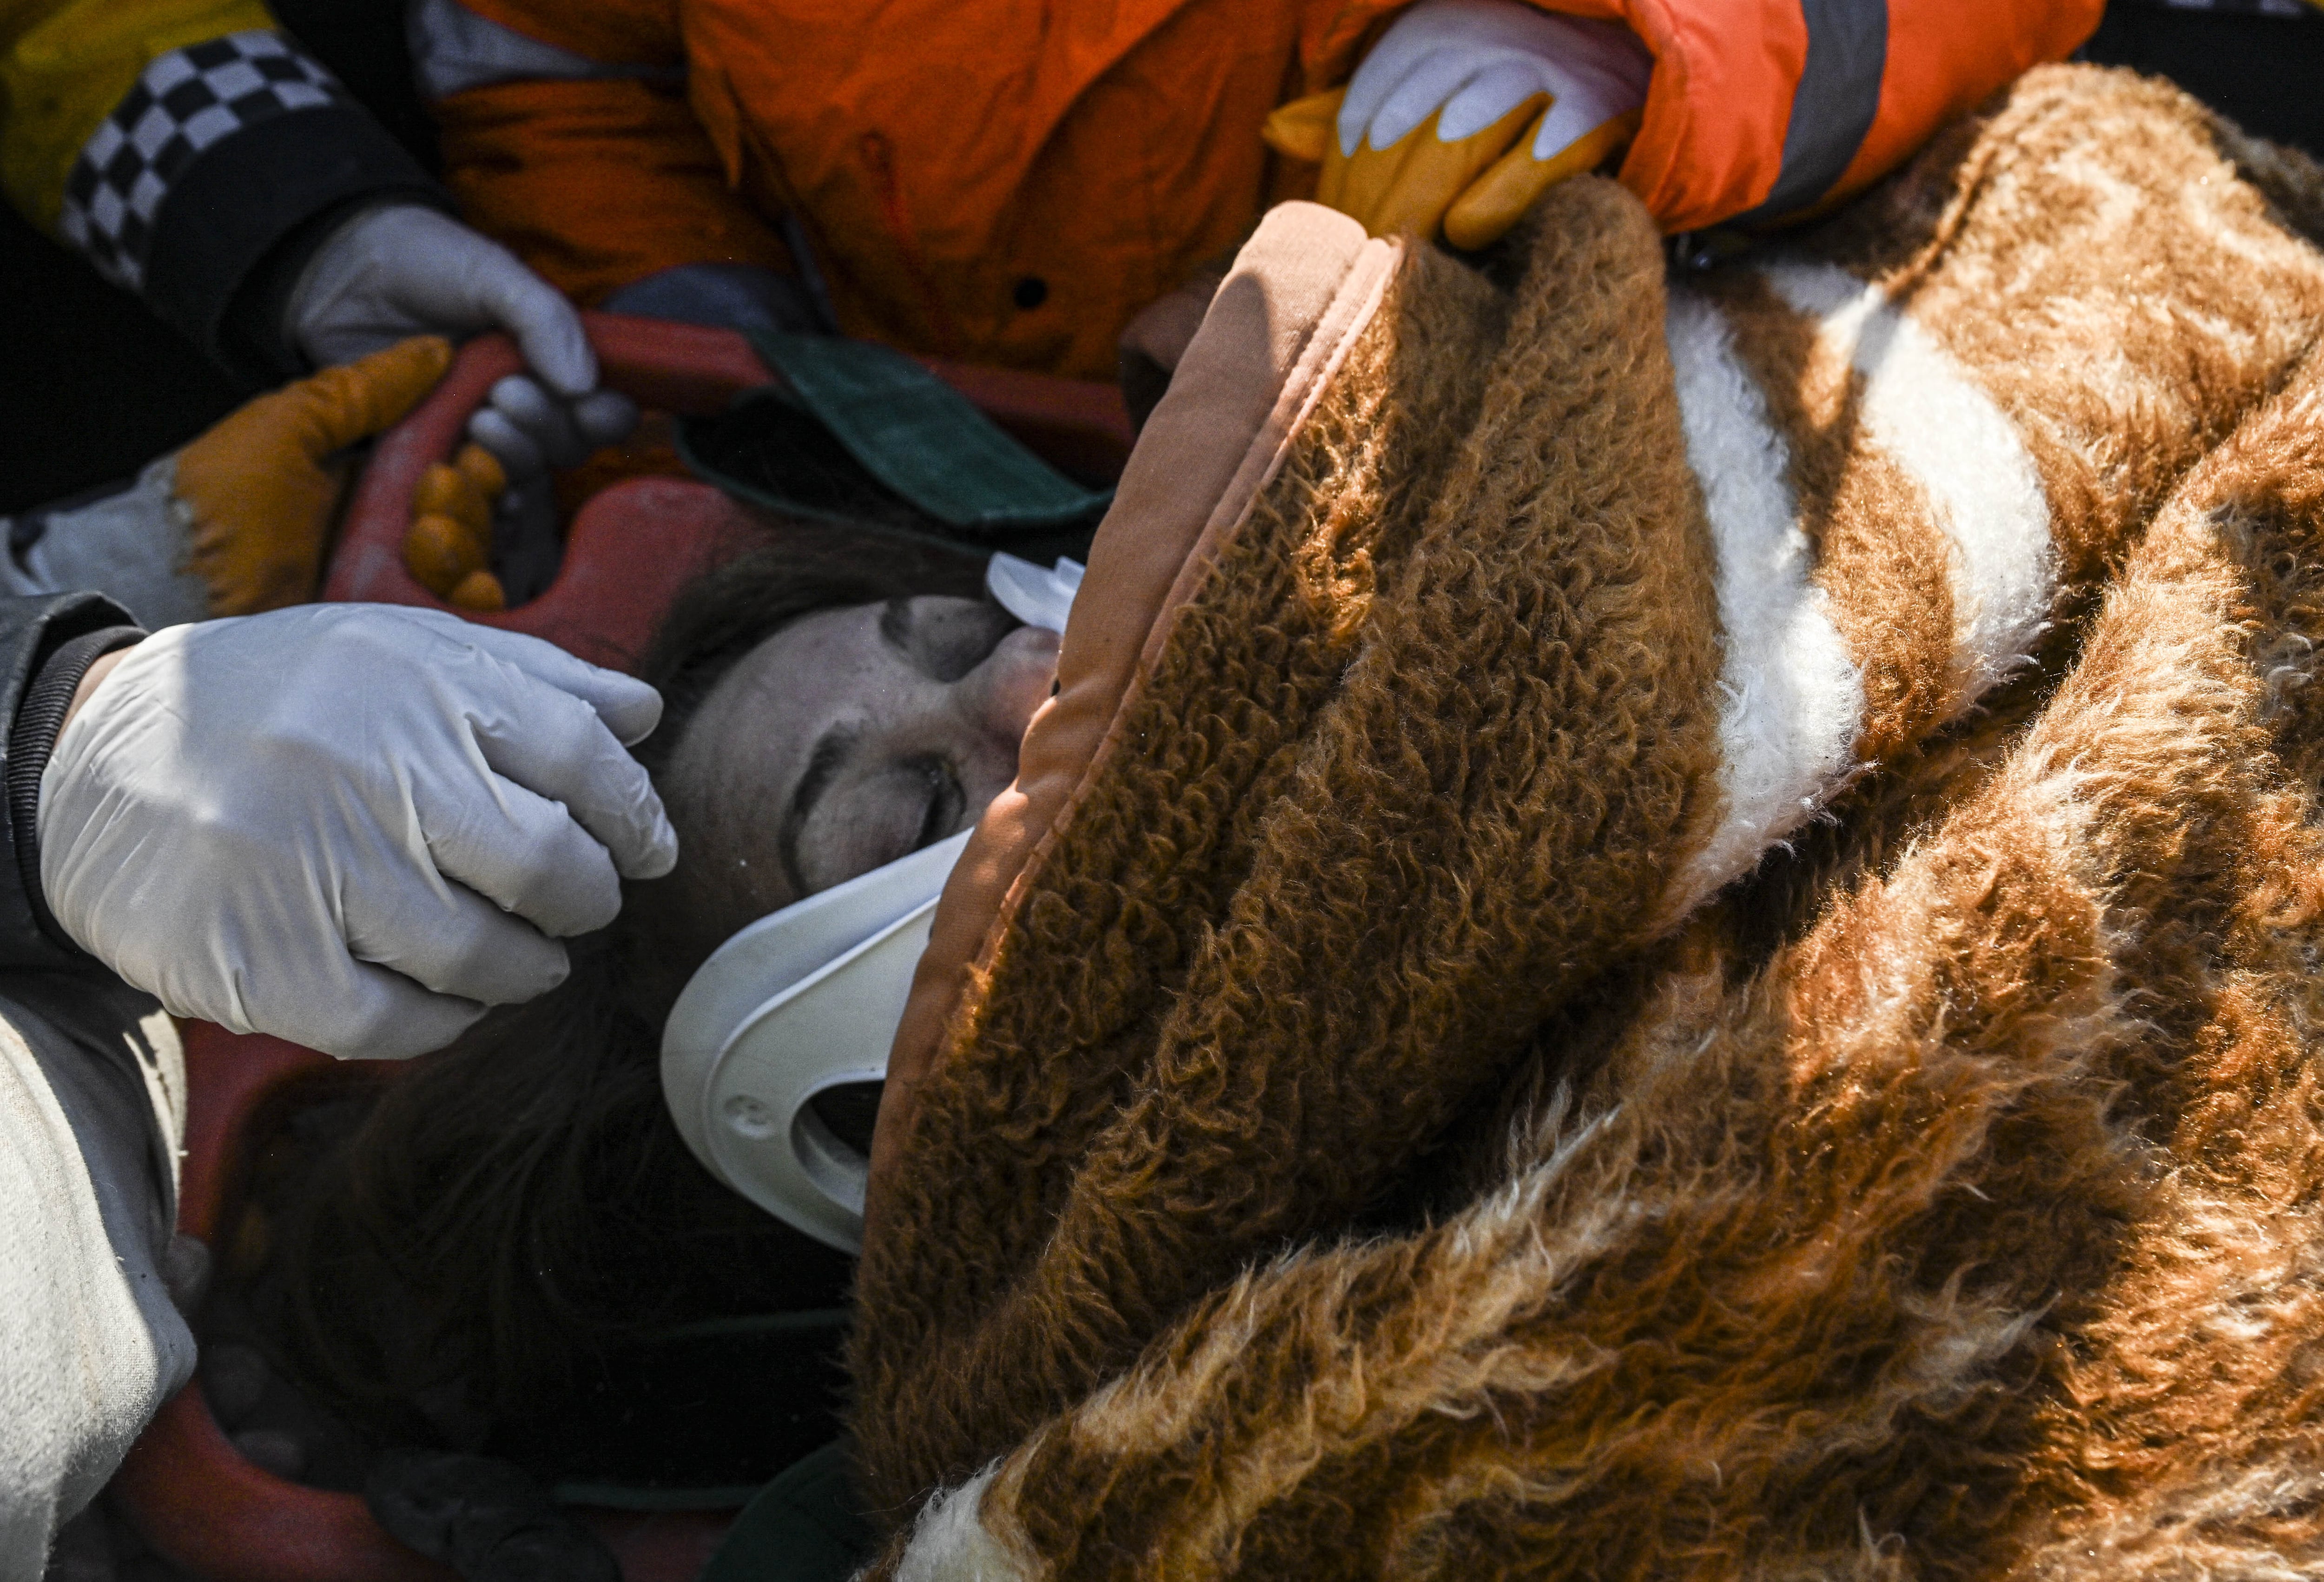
{"points": [[522, 1200]]}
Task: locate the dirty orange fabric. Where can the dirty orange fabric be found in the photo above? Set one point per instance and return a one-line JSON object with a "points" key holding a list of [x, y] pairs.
{"points": [[597, 183], [1938, 71], [1010, 182]]}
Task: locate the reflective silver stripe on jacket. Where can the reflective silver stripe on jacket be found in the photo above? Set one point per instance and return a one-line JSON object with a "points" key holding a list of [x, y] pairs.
{"points": [[1832, 108]]}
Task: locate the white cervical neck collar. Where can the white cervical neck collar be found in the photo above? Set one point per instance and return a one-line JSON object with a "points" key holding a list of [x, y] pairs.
{"points": [[801, 1001]]}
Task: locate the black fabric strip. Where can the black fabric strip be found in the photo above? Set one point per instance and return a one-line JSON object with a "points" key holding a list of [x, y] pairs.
{"points": [[1832, 108], [33, 737], [250, 336], [241, 196], [31, 629]]}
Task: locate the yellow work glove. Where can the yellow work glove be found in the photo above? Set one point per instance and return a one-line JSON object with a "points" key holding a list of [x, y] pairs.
{"points": [[450, 538], [258, 494], [516, 438], [1464, 113]]}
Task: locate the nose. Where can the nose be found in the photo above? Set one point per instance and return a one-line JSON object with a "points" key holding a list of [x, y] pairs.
{"points": [[1000, 694], [980, 718]]}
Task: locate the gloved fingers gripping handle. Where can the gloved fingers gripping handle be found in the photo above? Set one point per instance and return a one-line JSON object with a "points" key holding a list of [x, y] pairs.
{"points": [[521, 452], [1469, 62], [1495, 200], [1412, 185], [1427, 53], [542, 418], [527, 431], [405, 268], [605, 416], [547, 328]]}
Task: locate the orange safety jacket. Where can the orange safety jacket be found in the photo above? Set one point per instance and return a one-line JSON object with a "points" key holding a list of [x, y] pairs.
{"points": [[1008, 182]]}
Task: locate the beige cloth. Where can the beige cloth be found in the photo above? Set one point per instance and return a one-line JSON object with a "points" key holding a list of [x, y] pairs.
{"points": [[92, 1114]]}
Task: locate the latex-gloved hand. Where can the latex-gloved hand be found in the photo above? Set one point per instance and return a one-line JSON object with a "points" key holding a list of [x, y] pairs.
{"points": [[1465, 111], [492, 502], [354, 826], [529, 431], [406, 269]]}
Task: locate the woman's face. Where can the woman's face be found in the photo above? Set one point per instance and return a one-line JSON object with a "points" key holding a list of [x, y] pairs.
{"points": [[849, 739]]}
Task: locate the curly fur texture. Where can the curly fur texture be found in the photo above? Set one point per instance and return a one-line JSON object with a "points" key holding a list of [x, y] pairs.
{"points": [[1972, 1233], [1940, 1201]]}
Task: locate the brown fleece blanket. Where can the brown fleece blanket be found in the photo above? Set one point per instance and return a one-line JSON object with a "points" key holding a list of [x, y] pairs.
{"points": [[1668, 925]]}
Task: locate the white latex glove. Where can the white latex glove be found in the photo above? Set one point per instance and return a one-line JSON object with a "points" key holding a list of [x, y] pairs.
{"points": [[529, 431], [406, 269], [351, 825], [1476, 61]]}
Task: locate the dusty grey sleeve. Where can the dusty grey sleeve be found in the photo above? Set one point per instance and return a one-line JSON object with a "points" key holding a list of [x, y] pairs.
{"points": [[92, 1115]]}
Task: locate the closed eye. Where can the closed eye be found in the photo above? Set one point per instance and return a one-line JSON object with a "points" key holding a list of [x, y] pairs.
{"points": [[945, 802], [824, 764]]}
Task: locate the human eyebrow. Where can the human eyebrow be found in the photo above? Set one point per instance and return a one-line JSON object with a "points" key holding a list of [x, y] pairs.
{"points": [[823, 767]]}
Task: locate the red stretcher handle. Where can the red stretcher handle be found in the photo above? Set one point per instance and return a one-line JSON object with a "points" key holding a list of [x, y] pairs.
{"points": [[631, 548]]}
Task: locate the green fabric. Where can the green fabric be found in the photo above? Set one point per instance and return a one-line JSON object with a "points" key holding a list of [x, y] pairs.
{"points": [[857, 430], [770, 450], [803, 1527]]}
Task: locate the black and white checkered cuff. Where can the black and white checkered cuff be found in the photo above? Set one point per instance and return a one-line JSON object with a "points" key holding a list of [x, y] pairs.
{"points": [[184, 102]]}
